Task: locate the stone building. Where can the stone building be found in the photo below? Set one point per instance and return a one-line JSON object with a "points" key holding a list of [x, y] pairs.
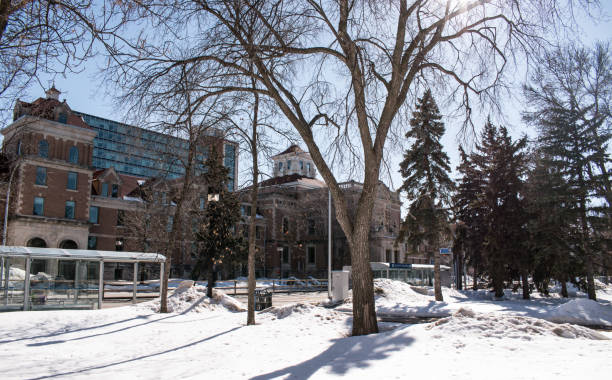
{"points": [[293, 206], [72, 175]]}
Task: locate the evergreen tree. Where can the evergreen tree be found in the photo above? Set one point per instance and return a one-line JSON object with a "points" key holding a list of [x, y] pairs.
{"points": [[569, 97], [501, 163], [425, 171], [550, 224], [469, 213], [218, 241]]}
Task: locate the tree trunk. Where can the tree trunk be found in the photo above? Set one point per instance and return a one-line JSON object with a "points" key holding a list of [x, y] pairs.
{"points": [[564, 293], [475, 280], [525, 282], [459, 266], [364, 309], [211, 280], [163, 307], [590, 278], [252, 226], [176, 221], [498, 280], [437, 284]]}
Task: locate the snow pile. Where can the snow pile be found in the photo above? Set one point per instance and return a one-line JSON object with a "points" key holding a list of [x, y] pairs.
{"points": [[306, 313], [16, 274], [465, 322], [392, 290], [582, 311], [194, 299]]}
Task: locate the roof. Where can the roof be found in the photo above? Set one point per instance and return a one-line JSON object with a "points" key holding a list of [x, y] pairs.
{"points": [[292, 149], [129, 183], [292, 178], [45, 108], [54, 253]]}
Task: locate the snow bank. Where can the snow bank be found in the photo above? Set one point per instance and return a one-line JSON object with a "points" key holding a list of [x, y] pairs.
{"points": [[16, 274], [307, 310], [392, 290], [582, 311], [194, 299], [466, 322]]}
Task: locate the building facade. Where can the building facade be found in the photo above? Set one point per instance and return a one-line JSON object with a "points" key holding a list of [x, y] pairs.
{"points": [[293, 211], [72, 176]]}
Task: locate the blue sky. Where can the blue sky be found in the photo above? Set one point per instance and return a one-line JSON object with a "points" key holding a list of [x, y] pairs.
{"points": [[85, 93]]}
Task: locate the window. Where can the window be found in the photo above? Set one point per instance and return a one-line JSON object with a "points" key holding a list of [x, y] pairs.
{"points": [[19, 148], [72, 181], [257, 232], [120, 217], [311, 227], [169, 224], [164, 198], [388, 255], [285, 229], [41, 176], [115, 190], [245, 210], [94, 213], [308, 167], [104, 192], [69, 214], [63, 117], [43, 149], [280, 166], [202, 203], [92, 242], [73, 156], [289, 165], [311, 255], [301, 165], [285, 255], [39, 206]]}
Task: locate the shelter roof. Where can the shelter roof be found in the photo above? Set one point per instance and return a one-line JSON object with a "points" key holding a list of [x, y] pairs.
{"points": [[59, 253]]}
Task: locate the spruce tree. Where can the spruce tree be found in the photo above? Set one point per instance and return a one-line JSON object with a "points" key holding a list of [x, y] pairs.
{"points": [[569, 101], [469, 214], [218, 242], [550, 226], [502, 165], [427, 184]]}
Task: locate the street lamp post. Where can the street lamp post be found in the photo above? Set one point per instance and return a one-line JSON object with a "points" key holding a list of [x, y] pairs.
{"points": [[329, 245]]}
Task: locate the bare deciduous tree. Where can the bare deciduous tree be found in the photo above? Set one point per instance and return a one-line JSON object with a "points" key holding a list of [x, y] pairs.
{"points": [[51, 37], [341, 72]]}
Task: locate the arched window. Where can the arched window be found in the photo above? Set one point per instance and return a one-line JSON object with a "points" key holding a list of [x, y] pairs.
{"points": [[19, 147], [36, 242], [43, 149], [73, 156], [68, 244]]}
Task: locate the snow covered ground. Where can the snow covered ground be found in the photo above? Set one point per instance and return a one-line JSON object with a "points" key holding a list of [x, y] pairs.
{"points": [[477, 339]]}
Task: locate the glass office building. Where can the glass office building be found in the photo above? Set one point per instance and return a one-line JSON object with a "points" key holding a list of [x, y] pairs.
{"points": [[143, 153]]}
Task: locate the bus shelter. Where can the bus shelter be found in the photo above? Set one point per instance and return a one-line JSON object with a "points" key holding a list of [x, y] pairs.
{"points": [[54, 278], [413, 274]]}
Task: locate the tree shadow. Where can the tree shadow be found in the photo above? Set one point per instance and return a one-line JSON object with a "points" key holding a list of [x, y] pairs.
{"points": [[188, 345], [345, 354], [63, 332], [190, 308]]}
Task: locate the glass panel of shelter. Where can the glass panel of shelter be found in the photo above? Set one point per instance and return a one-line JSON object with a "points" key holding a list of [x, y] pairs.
{"points": [[54, 283]]}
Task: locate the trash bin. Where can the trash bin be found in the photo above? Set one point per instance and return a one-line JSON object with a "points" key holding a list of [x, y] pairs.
{"points": [[263, 299]]}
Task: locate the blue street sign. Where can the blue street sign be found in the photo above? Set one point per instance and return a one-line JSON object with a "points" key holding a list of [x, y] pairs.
{"points": [[400, 265], [445, 251]]}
